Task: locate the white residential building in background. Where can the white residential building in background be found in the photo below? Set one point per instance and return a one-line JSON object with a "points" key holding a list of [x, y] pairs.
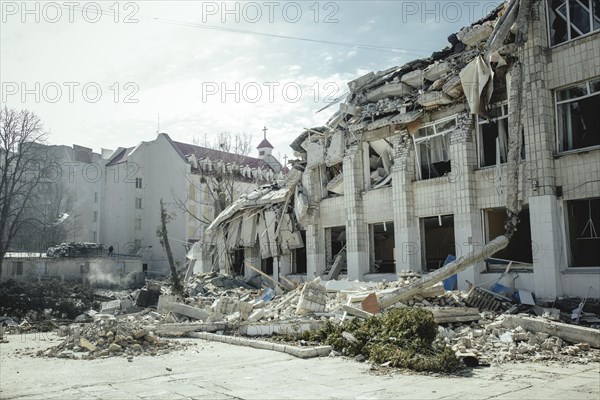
{"points": [[116, 194]]}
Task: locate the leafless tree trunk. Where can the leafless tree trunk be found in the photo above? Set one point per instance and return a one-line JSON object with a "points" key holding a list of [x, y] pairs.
{"points": [[49, 218], [23, 161], [163, 235], [221, 187]]}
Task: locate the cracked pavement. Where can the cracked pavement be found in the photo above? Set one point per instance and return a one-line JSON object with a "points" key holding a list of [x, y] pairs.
{"points": [[220, 371]]}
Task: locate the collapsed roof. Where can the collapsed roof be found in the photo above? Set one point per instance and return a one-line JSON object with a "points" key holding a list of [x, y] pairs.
{"points": [[382, 104]]}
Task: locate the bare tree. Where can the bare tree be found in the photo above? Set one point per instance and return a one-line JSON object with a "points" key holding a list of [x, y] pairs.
{"points": [[163, 236], [222, 187], [23, 162], [48, 217]]}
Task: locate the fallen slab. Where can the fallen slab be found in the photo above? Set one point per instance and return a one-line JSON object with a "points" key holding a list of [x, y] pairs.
{"points": [[280, 327], [300, 352], [167, 303], [357, 312], [179, 329], [570, 333], [443, 315], [445, 272]]}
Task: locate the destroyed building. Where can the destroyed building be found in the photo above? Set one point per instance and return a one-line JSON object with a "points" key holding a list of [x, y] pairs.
{"points": [[413, 167]]}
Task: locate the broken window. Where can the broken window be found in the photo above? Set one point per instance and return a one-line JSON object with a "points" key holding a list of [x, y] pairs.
{"points": [[335, 179], [519, 249], [570, 19], [437, 240], [578, 119], [379, 163], [492, 134], [382, 245], [237, 262], [432, 148], [267, 266], [18, 267], [583, 221], [335, 248], [300, 261]]}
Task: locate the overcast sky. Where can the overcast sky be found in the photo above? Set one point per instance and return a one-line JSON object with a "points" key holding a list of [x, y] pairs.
{"points": [[202, 69]]}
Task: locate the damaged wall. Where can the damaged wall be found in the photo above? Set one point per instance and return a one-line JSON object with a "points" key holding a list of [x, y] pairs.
{"points": [[381, 135]]}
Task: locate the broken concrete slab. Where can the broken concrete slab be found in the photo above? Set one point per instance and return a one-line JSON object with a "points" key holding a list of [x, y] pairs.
{"points": [[389, 90], [313, 298], [570, 333], [300, 352], [169, 304], [445, 272], [431, 99], [414, 78], [357, 312], [443, 315], [179, 329], [280, 327], [436, 71], [476, 34]]}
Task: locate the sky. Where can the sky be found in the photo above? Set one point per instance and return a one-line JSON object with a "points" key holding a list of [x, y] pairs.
{"points": [[110, 74]]}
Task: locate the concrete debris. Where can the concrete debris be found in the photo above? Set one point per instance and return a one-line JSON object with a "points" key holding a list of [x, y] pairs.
{"points": [[108, 335], [225, 305], [571, 333], [494, 340], [76, 249]]}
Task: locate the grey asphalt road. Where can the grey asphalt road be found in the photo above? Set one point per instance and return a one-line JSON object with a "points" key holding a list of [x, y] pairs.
{"points": [[206, 370]]}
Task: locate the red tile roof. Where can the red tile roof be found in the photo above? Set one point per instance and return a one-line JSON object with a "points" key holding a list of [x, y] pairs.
{"points": [[214, 155]]}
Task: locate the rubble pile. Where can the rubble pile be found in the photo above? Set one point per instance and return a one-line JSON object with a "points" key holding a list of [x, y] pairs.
{"points": [[75, 249], [322, 311], [350, 316], [227, 299], [108, 335], [488, 341]]}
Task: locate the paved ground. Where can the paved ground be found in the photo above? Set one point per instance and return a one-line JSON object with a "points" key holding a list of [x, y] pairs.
{"points": [[221, 371]]}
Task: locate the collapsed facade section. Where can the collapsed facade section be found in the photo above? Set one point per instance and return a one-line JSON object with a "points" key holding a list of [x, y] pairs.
{"points": [[413, 170]]}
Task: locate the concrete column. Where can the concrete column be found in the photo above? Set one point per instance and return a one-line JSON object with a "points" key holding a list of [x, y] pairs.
{"points": [[357, 234], [252, 257], [467, 217], [546, 237], [315, 251], [406, 226], [285, 264]]}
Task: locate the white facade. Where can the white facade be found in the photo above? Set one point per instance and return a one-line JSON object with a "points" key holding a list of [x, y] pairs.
{"points": [[117, 195], [420, 173]]}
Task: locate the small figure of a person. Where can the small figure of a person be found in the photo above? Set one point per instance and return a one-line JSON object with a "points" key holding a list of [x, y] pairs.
{"points": [[110, 251]]}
